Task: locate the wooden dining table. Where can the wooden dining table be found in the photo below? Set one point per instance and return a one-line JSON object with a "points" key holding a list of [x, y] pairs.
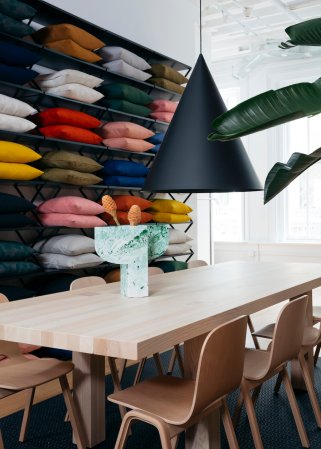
{"points": [[182, 306]]}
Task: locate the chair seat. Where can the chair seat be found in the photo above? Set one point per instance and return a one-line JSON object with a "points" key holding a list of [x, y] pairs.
{"points": [[165, 396], [310, 335], [256, 364], [32, 373]]}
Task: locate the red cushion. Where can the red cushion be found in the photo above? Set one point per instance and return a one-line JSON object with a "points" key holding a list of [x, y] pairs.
{"points": [[64, 116], [125, 202], [67, 132], [122, 218]]}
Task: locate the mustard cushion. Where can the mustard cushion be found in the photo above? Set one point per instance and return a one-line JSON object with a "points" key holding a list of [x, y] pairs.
{"points": [[165, 217], [167, 72], [71, 48], [171, 206], [14, 152], [21, 172], [61, 31]]}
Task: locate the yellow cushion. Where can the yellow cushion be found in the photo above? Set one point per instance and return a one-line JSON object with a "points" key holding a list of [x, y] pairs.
{"points": [[165, 217], [21, 172], [14, 152], [172, 206], [71, 48]]}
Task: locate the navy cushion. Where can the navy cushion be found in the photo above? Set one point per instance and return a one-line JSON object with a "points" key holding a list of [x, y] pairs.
{"points": [[16, 75], [18, 56], [155, 148], [156, 138], [12, 203], [124, 168], [170, 265], [14, 27], [56, 283], [14, 250], [17, 10], [61, 354], [124, 181], [15, 221], [14, 293], [17, 268]]}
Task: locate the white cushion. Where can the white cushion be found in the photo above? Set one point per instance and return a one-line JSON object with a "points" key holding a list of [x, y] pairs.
{"points": [[76, 92], [177, 248], [113, 53], [177, 236], [120, 66], [59, 261], [68, 245], [12, 106], [67, 76], [15, 124]]}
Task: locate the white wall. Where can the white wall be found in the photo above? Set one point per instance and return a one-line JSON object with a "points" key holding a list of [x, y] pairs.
{"points": [[166, 26]]}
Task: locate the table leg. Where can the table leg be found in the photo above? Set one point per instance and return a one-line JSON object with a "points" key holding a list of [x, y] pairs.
{"points": [[206, 433], [296, 372], [90, 396]]}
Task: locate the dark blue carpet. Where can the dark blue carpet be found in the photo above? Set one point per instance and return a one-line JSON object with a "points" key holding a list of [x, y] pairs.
{"points": [[47, 428]]}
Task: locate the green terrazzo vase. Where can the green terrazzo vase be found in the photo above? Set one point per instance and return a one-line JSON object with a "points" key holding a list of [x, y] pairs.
{"points": [[132, 247]]}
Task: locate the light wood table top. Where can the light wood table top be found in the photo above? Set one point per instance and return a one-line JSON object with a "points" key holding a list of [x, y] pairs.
{"points": [[182, 305]]}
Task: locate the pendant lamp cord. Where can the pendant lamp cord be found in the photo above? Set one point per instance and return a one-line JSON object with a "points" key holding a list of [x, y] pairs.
{"points": [[201, 26]]}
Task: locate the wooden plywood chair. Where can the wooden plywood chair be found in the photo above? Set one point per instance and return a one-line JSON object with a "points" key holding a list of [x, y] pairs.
{"points": [[196, 263], [173, 404], [17, 373], [261, 365]]}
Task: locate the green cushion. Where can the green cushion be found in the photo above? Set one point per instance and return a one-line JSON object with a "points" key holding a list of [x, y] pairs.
{"points": [[14, 27], [170, 265], [126, 106], [125, 92], [17, 268], [14, 250], [304, 33], [17, 10], [271, 108]]}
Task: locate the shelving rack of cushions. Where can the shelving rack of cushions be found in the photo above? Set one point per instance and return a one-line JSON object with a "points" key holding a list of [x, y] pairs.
{"points": [[31, 92]]}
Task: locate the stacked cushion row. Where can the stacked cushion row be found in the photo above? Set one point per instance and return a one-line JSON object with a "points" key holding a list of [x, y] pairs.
{"points": [[13, 63], [14, 259], [170, 211], [12, 12]]}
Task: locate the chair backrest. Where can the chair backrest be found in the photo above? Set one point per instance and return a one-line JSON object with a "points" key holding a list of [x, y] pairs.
{"points": [[288, 332], [9, 349], [196, 263], [87, 281], [3, 298], [154, 270], [220, 366]]}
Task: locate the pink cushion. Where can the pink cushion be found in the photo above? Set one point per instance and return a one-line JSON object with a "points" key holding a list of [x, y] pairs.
{"points": [[71, 220], [163, 106], [70, 205], [163, 116], [126, 143], [125, 129]]}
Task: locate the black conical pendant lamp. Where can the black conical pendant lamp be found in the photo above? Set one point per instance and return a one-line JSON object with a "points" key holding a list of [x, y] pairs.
{"points": [[186, 161]]}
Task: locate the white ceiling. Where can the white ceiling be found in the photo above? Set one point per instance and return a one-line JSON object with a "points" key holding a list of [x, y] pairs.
{"points": [[252, 29]]}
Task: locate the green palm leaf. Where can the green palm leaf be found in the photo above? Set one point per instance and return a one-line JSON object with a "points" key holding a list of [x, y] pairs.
{"points": [[271, 108], [281, 175], [303, 33]]}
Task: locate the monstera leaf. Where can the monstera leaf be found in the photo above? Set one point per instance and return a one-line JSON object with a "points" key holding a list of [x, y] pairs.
{"points": [[271, 108], [281, 175], [303, 33]]}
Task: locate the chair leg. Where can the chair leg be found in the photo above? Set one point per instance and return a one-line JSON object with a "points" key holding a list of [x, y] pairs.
{"points": [[252, 417], [174, 442], [256, 393], [123, 431], [310, 387], [238, 410], [171, 364], [116, 381], [121, 370], [26, 414], [1, 441], [316, 353], [251, 328], [295, 409], [179, 359], [139, 371], [158, 364], [73, 413], [228, 426], [278, 383]]}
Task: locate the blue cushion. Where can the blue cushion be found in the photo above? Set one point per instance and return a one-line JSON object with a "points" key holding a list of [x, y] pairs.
{"points": [[124, 181], [18, 56], [13, 293], [156, 138], [16, 75], [16, 9], [124, 168], [155, 148], [12, 203], [14, 250], [14, 27]]}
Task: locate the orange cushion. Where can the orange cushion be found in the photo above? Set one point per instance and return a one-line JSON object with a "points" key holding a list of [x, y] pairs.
{"points": [[113, 276], [122, 218], [61, 31], [125, 202], [71, 48], [74, 133], [64, 116]]}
